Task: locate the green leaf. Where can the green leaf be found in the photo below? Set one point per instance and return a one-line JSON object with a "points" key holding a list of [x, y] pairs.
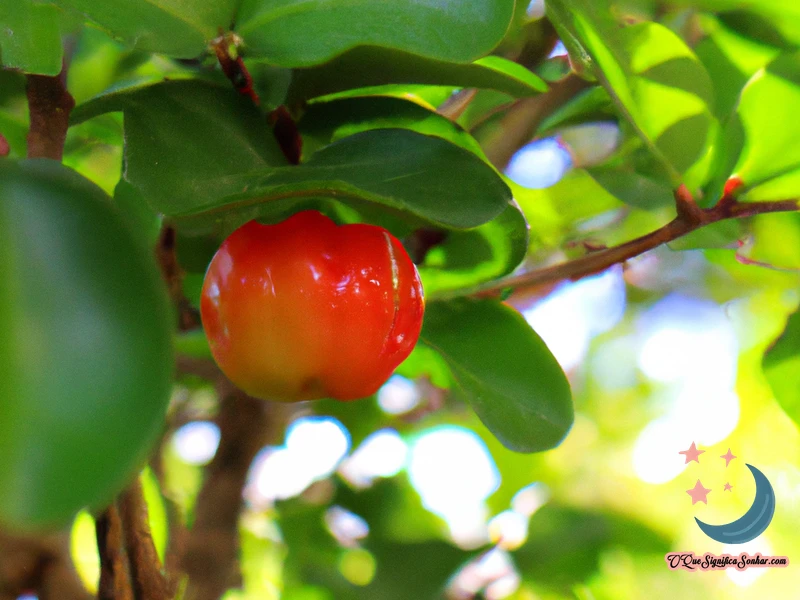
{"points": [[730, 60], [85, 355], [723, 234], [178, 28], [295, 33], [770, 159], [327, 122], [782, 368], [470, 257], [204, 155], [396, 169], [776, 22], [774, 241], [181, 134], [657, 82], [30, 37], [363, 67], [504, 369], [593, 103], [633, 188]]}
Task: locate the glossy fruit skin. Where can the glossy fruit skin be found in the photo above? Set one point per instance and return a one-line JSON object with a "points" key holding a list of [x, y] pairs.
{"points": [[85, 350], [306, 309]]}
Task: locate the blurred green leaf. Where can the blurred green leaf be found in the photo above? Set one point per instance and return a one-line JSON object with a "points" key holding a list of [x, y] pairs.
{"points": [[723, 234], [178, 28], [588, 104], [770, 159], [504, 370], [775, 22], [362, 67], [656, 81], [774, 241], [470, 257], [633, 188], [730, 60], [565, 544], [295, 33], [782, 368], [30, 37], [86, 357], [137, 211]]}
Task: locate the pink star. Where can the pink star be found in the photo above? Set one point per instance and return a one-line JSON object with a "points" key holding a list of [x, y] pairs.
{"points": [[692, 454], [728, 487], [698, 493], [728, 457]]}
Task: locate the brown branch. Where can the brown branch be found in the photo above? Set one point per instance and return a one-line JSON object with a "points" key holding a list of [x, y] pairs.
{"points": [[41, 564], [114, 583], [522, 120], [172, 274], [147, 577], [212, 546], [684, 223], [456, 104], [49, 105]]}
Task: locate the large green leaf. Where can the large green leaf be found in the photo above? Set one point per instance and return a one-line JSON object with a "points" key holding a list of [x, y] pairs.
{"points": [[85, 355], [730, 60], [504, 369], [776, 22], [327, 122], [295, 33], [363, 67], [769, 164], [782, 368], [397, 169], [30, 39], [179, 28], [655, 79], [202, 154], [180, 134]]}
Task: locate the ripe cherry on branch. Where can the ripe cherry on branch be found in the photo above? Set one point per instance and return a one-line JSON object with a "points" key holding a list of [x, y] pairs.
{"points": [[306, 309]]}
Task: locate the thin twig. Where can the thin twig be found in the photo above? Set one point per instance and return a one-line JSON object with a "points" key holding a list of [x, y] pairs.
{"points": [[147, 575], [114, 583], [684, 223], [49, 105], [173, 277]]}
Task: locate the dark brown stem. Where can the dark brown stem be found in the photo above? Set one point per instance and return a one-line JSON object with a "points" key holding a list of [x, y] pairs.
{"points": [[4, 147], [688, 220], [49, 105], [212, 547], [173, 276], [114, 583], [147, 576], [40, 564]]}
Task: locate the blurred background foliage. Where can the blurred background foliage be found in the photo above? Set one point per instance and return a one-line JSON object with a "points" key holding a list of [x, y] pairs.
{"points": [[407, 494]]}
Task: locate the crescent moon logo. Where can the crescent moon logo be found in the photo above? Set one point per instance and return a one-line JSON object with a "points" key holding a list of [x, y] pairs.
{"points": [[754, 522]]}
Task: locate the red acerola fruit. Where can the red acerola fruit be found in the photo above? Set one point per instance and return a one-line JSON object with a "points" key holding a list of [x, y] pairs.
{"points": [[307, 309]]}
